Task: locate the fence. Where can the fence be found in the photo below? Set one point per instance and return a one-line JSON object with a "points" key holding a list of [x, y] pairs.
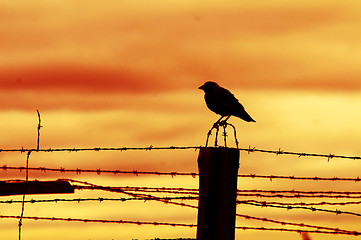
{"points": [[184, 197]]}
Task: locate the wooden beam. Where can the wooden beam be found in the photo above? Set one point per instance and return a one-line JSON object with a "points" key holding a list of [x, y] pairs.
{"points": [[35, 187]]}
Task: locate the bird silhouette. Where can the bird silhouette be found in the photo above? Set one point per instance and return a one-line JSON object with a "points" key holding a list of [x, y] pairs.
{"points": [[223, 102]]}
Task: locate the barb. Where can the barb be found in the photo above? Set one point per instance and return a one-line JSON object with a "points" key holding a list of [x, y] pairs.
{"points": [[313, 209]]}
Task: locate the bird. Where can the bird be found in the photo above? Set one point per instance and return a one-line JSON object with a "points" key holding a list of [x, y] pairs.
{"points": [[223, 102]]}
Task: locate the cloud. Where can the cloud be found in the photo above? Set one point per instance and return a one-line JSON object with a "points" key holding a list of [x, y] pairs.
{"points": [[149, 50], [77, 78]]}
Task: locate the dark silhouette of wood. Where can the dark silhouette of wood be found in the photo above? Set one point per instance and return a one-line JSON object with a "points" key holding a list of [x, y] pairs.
{"points": [[218, 169], [35, 187]]}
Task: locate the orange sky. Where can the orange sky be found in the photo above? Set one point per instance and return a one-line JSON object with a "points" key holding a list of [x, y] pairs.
{"points": [[120, 73]]}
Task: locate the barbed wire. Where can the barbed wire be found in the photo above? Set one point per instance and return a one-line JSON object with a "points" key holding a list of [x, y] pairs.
{"points": [[99, 171], [305, 204], [354, 233], [155, 223], [283, 223], [139, 189], [103, 221], [173, 173], [271, 177], [99, 199], [151, 147], [167, 200], [240, 193], [298, 195], [98, 149], [298, 191], [145, 197], [246, 216], [289, 207]]}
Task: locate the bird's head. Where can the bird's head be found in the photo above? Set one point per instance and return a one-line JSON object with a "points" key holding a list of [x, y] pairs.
{"points": [[209, 86]]}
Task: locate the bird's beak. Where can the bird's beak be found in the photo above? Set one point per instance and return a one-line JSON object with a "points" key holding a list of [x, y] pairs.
{"points": [[201, 87]]}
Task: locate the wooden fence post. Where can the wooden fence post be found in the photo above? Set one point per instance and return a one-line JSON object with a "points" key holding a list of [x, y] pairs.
{"points": [[218, 170]]}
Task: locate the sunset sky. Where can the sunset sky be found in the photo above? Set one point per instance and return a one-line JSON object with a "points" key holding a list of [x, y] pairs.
{"points": [[126, 74]]}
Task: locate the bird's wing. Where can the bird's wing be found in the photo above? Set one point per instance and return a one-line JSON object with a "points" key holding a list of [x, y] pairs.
{"points": [[227, 97]]}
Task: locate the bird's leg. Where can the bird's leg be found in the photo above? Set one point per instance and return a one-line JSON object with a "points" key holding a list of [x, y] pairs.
{"points": [[216, 139], [224, 122], [218, 121], [225, 134], [208, 134], [215, 126]]}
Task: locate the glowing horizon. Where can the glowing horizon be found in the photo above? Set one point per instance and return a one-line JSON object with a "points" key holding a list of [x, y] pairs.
{"points": [[121, 74]]}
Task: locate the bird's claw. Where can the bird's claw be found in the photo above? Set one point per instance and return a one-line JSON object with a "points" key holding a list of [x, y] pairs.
{"points": [[224, 124]]}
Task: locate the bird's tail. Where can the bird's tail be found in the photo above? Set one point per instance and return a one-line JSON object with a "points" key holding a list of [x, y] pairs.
{"points": [[248, 118], [245, 116]]}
